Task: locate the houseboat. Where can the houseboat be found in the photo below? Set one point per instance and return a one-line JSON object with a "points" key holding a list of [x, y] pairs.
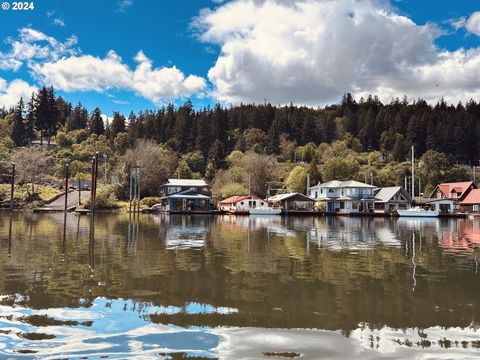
{"points": [[389, 200], [186, 196], [293, 203], [241, 204], [344, 197]]}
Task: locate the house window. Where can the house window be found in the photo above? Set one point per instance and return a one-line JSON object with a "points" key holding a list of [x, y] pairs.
{"points": [[261, 204], [342, 205], [330, 191], [321, 191], [475, 207], [242, 203], [316, 194], [454, 195]]}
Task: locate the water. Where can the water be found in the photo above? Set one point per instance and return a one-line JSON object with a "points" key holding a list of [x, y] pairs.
{"points": [[229, 287]]}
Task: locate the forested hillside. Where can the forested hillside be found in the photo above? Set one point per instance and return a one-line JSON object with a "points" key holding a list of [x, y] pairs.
{"points": [[340, 140]]}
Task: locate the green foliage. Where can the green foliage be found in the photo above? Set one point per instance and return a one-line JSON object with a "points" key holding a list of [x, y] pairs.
{"points": [[232, 189], [340, 168], [297, 180], [149, 201], [106, 198], [195, 161]]}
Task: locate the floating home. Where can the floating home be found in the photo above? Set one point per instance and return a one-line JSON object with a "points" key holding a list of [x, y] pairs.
{"points": [[293, 203], [471, 203], [390, 199], [241, 204], [455, 191], [344, 197], [186, 196]]}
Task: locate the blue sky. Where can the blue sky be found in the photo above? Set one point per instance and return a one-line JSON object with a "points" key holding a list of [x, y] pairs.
{"points": [[240, 51]]}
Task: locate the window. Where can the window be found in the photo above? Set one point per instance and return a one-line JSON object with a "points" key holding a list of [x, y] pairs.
{"points": [[475, 207], [342, 205], [330, 191], [242, 203], [316, 194], [454, 195]]}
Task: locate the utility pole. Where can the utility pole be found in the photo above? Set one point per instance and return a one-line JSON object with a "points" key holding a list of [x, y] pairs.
{"points": [[66, 187], [12, 188], [79, 190]]}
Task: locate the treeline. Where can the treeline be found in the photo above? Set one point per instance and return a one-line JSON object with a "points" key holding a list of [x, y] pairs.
{"points": [[217, 131]]}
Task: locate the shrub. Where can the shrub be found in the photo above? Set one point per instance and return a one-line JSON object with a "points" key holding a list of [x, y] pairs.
{"points": [[149, 201]]}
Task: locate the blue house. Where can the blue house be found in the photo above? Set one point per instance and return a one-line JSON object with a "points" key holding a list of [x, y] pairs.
{"points": [[186, 196]]}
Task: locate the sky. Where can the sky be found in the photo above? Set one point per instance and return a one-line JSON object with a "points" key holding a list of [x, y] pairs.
{"points": [[124, 55]]}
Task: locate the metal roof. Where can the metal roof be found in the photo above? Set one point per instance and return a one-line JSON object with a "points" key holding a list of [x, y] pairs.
{"points": [[186, 182], [193, 196], [281, 197], [385, 194], [343, 184]]}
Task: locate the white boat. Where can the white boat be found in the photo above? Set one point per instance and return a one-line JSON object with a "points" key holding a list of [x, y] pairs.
{"points": [[417, 211], [265, 210]]}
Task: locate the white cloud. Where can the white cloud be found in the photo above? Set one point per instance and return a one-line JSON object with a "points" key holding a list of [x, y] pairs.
{"points": [[124, 5], [34, 45], [473, 23], [11, 92], [58, 22], [312, 51], [86, 73]]}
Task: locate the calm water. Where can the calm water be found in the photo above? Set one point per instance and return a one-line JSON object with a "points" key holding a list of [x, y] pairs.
{"points": [[230, 287]]}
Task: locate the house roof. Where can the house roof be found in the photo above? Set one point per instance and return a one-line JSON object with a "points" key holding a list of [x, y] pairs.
{"points": [[344, 184], [472, 198], [448, 188], [186, 182], [385, 194], [282, 197], [236, 199], [189, 196]]}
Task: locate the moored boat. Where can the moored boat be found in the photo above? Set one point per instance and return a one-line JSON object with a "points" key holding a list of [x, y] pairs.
{"points": [[418, 212], [265, 210]]}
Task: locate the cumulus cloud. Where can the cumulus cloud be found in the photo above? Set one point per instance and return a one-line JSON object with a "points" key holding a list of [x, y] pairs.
{"points": [[312, 51], [87, 73], [34, 45], [472, 24], [11, 92]]}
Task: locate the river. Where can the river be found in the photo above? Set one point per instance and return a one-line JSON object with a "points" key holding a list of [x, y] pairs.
{"points": [[236, 287]]}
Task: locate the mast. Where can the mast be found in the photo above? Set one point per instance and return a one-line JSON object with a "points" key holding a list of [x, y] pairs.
{"points": [[413, 172]]}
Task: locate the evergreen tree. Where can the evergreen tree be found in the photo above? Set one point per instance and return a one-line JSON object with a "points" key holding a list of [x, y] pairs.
{"points": [[18, 126], [118, 124], [96, 125]]}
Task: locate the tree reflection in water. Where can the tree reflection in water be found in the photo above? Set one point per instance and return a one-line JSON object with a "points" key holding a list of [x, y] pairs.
{"points": [[353, 276]]}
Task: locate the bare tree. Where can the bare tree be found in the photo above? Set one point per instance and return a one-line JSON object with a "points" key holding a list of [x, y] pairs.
{"points": [[156, 163], [32, 165]]}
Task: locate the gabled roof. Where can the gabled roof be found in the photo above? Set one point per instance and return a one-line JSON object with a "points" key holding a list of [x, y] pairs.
{"points": [[186, 182], [448, 188], [238, 198], [472, 198], [282, 197], [344, 184], [385, 194]]}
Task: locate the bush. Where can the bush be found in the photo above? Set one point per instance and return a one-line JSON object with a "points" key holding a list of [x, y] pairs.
{"points": [[149, 201], [106, 198]]}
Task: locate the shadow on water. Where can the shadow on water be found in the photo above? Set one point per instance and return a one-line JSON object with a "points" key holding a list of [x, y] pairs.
{"points": [[238, 287]]}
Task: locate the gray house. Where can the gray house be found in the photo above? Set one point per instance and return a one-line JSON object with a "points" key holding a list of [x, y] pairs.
{"points": [[390, 199]]}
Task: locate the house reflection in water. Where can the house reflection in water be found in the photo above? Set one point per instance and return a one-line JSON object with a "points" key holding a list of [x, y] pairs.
{"points": [[465, 238], [187, 232]]}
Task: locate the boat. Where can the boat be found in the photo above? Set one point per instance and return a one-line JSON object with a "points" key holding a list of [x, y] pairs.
{"points": [[265, 210], [417, 211]]}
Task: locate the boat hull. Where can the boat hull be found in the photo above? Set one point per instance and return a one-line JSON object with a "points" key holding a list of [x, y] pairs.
{"points": [[411, 213], [265, 211]]}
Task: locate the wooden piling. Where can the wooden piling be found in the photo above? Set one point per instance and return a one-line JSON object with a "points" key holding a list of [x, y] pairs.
{"points": [[12, 188], [66, 187], [92, 200]]}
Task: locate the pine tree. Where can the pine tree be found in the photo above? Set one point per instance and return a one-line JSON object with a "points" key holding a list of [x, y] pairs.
{"points": [[96, 125], [18, 126], [30, 121], [118, 124]]}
